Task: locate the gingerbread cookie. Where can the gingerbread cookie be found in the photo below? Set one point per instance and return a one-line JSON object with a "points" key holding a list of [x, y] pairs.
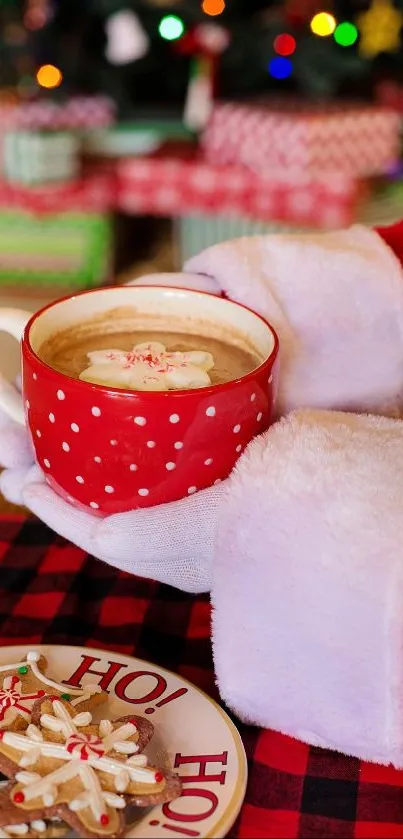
{"points": [[11, 826], [37, 829], [26, 681], [65, 765]]}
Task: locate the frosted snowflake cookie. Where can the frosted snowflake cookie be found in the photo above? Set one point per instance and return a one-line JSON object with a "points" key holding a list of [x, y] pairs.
{"points": [[149, 367], [36, 829], [24, 682], [11, 826], [85, 773]]}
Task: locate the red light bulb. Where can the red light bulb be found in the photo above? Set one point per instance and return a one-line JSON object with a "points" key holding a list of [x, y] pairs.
{"points": [[284, 44]]}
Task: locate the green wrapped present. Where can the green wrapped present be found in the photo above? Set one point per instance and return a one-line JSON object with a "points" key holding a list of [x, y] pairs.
{"points": [[383, 206], [40, 157], [68, 251], [134, 138]]}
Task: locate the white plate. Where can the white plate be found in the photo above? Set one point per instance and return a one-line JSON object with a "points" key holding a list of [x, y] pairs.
{"points": [[193, 736]]}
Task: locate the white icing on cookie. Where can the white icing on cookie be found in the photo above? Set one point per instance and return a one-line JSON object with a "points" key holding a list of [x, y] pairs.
{"points": [[27, 777], [83, 754], [11, 830], [149, 367], [13, 702]]}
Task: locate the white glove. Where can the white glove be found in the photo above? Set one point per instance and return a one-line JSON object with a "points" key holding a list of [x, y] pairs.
{"points": [[172, 543]]}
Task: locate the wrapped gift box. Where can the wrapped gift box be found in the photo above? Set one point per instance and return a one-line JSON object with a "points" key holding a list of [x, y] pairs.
{"points": [[171, 186], [66, 250], [384, 206], [93, 193], [41, 141], [357, 140], [197, 232], [36, 157], [78, 112], [139, 137], [57, 235]]}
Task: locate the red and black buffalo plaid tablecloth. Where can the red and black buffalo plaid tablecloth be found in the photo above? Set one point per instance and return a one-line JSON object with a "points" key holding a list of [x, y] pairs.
{"points": [[53, 593]]}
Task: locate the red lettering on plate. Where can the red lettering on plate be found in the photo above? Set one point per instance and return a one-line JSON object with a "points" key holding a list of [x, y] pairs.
{"points": [[202, 760], [183, 830], [176, 695], [123, 684], [86, 667], [192, 817]]}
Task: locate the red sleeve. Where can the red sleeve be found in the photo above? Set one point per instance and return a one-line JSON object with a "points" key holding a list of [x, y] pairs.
{"points": [[393, 236]]}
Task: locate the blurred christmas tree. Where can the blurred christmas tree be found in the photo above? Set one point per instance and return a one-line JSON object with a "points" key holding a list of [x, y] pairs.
{"points": [[131, 49]]}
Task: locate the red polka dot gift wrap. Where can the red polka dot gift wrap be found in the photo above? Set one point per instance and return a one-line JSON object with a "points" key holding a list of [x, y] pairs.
{"points": [[108, 450]]}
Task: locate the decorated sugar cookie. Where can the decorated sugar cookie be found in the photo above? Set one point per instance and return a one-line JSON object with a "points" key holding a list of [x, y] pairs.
{"points": [[65, 765], [37, 829], [24, 682]]}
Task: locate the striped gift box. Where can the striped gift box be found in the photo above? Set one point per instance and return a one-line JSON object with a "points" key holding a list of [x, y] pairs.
{"points": [[33, 157], [67, 250], [196, 232], [384, 205]]}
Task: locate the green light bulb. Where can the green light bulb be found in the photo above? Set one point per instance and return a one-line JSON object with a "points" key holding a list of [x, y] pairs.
{"points": [[171, 27], [345, 34]]}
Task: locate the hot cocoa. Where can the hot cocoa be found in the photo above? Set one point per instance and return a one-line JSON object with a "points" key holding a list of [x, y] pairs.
{"points": [[147, 359]]}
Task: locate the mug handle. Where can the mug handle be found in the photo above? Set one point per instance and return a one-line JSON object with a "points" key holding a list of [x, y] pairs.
{"points": [[12, 321]]}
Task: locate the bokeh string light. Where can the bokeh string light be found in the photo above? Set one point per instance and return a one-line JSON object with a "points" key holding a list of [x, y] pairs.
{"points": [[171, 27], [284, 44], [323, 24], [213, 7], [36, 14], [49, 76], [345, 34], [280, 67]]}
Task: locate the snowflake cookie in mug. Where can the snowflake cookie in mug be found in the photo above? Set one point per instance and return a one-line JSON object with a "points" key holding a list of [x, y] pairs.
{"points": [[87, 774], [146, 360]]}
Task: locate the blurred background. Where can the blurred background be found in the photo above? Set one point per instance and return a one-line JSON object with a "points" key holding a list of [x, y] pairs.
{"points": [[134, 133]]}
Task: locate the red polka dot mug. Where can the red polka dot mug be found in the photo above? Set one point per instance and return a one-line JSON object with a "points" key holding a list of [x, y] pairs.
{"points": [[109, 450]]}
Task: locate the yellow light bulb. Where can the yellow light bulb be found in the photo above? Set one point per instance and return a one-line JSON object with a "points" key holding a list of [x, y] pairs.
{"points": [[323, 24], [49, 76]]}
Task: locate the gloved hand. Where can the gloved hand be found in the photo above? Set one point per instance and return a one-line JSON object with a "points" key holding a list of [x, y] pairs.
{"points": [[337, 303], [172, 543]]}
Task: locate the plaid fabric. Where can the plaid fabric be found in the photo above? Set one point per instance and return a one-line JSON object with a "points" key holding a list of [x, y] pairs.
{"points": [[51, 592]]}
